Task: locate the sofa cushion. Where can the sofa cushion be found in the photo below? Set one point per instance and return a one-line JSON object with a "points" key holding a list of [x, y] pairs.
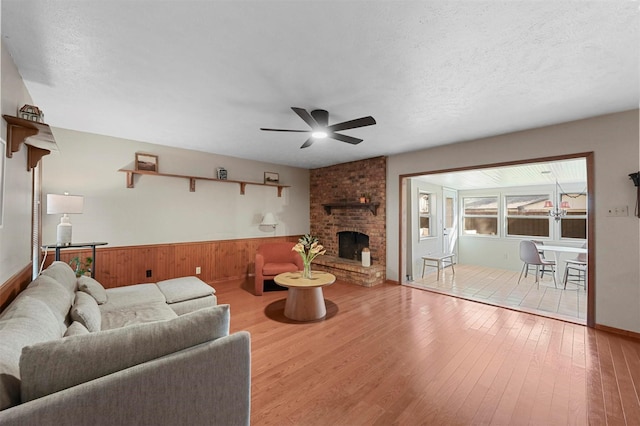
{"points": [[184, 288], [85, 310], [53, 294], [187, 306], [76, 328], [132, 295], [25, 321], [48, 367], [92, 288], [123, 317], [62, 272]]}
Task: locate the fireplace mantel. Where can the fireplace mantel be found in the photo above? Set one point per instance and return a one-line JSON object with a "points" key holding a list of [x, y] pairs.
{"points": [[373, 207]]}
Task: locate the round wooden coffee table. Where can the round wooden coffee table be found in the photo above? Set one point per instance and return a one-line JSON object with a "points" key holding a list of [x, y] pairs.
{"points": [[305, 301]]}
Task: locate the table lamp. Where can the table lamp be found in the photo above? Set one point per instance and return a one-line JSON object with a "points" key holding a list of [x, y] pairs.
{"points": [[64, 204]]}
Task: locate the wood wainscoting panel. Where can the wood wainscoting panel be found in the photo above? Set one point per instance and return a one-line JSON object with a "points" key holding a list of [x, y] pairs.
{"points": [[14, 285], [219, 261]]}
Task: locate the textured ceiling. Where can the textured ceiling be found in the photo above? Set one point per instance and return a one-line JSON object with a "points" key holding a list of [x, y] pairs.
{"points": [[206, 75]]}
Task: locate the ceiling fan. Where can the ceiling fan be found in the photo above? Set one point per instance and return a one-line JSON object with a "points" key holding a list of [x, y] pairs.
{"points": [[318, 120]]}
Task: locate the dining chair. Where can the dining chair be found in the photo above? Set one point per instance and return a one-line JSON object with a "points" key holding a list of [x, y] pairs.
{"points": [[539, 243], [530, 255], [576, 268]]}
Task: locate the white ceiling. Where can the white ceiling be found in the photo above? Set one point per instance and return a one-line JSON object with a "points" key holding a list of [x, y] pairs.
{"points": [[206, 75], [572, 173]]}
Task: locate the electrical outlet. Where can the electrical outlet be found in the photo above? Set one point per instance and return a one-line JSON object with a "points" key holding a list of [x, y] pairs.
{"points": [[198, 270], [618, 211], [148, 273]]}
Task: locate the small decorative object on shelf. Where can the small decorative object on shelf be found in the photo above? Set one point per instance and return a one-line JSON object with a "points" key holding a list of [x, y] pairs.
{"points": [[221, 173], [146, 162], [31, 113], [309, 249], [271, 178]]}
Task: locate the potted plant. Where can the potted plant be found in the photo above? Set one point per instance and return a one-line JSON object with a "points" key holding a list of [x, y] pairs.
{"points": [[82, 267]]}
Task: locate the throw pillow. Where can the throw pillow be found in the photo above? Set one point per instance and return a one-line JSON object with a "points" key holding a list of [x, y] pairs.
{"points": [[92, 288], [51, 366], [76, 328], [85, 310]]}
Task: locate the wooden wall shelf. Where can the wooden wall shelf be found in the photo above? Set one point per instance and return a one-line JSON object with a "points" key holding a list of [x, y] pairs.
{"points": [[19, 130], [372, 207], [192, 180]]}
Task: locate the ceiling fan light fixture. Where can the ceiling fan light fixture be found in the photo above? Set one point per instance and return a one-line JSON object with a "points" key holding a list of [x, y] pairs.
{"points": [[319, 134]]}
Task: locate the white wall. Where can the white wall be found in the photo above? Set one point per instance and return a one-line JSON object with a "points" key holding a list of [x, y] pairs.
{"points": [[15, 233], [161, 209], [614, 139]]}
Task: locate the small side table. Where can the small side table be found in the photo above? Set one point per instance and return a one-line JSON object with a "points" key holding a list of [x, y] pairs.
{"points": [[305, 301], [77, 245], [439, 259]]}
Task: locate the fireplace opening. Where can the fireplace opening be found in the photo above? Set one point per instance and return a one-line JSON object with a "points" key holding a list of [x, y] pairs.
{"points": [[351, 243]]}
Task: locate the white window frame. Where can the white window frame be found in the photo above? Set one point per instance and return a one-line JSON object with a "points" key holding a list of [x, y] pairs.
{"points": [[506, 216], [429, 214], [464, 215], [567, 217]]}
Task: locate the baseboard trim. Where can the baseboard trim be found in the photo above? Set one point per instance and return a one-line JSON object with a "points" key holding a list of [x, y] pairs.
{"points": [[618, 331]]}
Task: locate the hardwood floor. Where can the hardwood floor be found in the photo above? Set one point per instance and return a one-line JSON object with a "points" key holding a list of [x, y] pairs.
{"points": [[395, 355], [501, 288]]}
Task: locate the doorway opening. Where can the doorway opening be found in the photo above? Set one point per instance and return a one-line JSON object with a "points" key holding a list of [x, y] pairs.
{"points": [[482, 213]]}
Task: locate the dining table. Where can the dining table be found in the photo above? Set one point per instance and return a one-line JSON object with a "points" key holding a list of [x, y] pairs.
{"points": [[557, 250]]}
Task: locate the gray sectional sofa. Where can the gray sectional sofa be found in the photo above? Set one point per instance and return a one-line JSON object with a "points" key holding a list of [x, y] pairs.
{"points": [[72, 352]]}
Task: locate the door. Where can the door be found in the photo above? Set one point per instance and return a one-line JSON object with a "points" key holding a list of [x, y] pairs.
{"points": [[450, 221]]}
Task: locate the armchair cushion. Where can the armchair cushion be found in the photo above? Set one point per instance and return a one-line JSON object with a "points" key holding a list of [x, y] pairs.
{"points": [[273, 259], [273, 269]]}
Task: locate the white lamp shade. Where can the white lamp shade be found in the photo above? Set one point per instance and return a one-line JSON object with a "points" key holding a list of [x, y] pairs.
{"points": [[269, 220], [64, 204]]}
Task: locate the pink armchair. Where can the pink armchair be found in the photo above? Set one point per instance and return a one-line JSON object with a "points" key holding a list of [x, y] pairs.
{"points": [[273, 259]]}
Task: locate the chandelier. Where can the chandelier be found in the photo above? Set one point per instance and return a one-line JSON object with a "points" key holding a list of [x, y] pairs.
{"points": [[555, 212]]}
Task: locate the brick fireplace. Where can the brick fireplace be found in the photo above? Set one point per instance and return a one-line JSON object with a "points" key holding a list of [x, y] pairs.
{"points": [[336, 211]]}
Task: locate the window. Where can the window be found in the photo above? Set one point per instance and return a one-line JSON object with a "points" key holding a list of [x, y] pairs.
{"points": [[424, 214], [526, 215], [574, 224], [480, 215]]}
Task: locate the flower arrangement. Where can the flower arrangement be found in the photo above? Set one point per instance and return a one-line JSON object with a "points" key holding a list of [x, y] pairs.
{"points": [[309, 249]]}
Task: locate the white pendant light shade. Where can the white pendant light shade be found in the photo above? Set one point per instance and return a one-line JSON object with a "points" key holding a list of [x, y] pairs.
{"points": [[269, 220]]}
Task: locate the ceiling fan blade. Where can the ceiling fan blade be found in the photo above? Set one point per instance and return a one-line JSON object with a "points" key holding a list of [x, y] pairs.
{"points": [[344, 138], [352, 124], [307, 143], [283, 130], [302, 113]]}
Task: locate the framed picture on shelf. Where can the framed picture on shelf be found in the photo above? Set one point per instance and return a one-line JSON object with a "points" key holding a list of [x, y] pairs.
{"points": [[221, 173], [146, 162], [271, 178]]}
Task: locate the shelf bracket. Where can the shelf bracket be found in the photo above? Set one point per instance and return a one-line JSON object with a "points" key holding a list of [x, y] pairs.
{"points": [[16, 135], [243, 185], [34, 155], [192, 184], [130, 180], [280, 188]]}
